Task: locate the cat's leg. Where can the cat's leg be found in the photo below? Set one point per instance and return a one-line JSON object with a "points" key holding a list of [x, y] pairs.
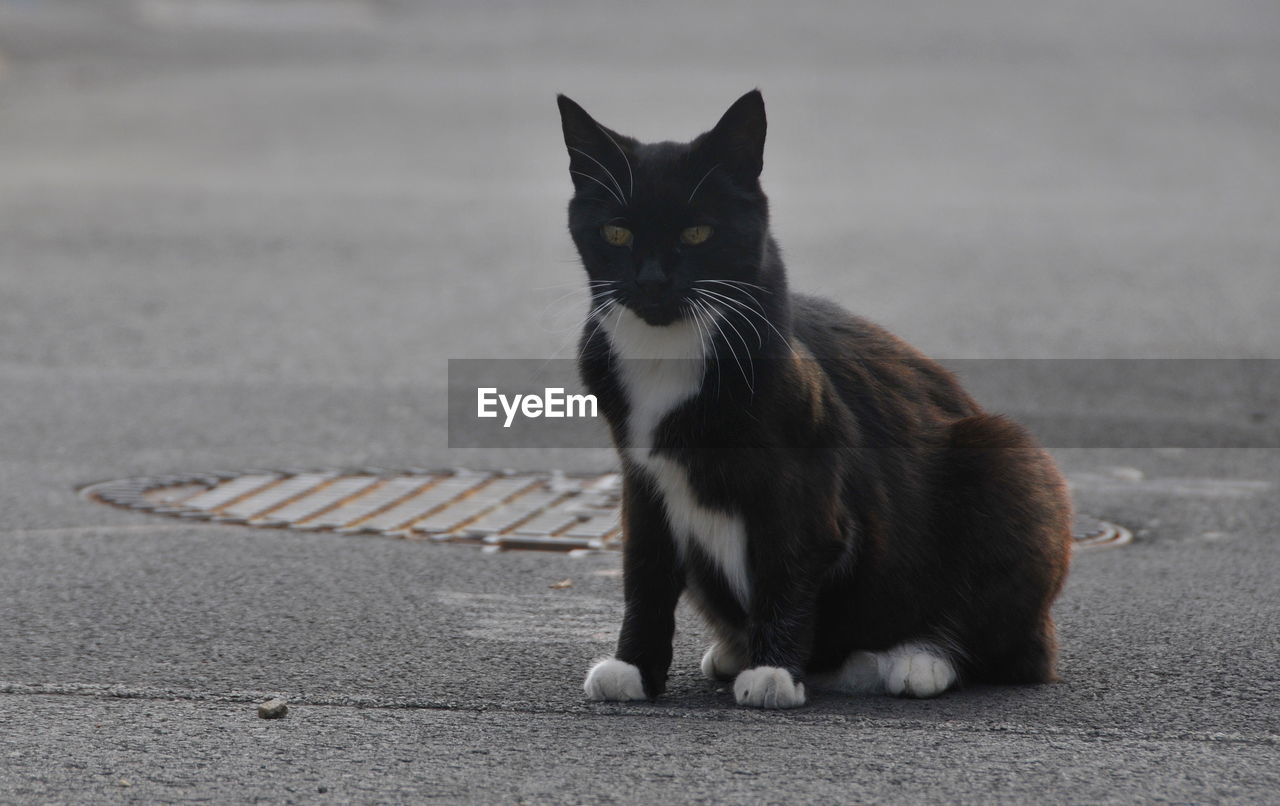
{"points": [[724, 617], [723, 660], [915, 669], [652, 583], [781, 614], [859, 674], [778, 645]]}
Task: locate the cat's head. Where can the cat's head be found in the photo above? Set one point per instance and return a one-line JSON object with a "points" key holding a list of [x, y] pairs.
{"points": [[654, 223]]}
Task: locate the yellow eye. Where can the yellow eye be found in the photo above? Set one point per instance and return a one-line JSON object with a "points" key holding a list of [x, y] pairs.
{"points": [[616, 236], [695, 235]]}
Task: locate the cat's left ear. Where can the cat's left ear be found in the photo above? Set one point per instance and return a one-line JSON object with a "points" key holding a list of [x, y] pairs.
{"points": [[737, 141]]}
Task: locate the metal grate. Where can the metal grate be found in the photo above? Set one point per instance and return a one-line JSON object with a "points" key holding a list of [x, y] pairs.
{"points": [[504, 510]]}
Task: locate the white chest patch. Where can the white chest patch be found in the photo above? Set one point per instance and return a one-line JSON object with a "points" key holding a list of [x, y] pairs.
{"points": [[661, 368]]}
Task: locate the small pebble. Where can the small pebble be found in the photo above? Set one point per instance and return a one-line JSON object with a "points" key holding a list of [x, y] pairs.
{"points": [[274, 708], [562, 584]]}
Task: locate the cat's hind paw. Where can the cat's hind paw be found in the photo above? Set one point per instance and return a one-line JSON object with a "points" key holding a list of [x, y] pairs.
{"points": [[721, 662], [768, 687], [614, 680], [918, 674]]}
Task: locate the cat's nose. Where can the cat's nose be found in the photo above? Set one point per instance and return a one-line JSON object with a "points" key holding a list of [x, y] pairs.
{"points": [[651, 277]]}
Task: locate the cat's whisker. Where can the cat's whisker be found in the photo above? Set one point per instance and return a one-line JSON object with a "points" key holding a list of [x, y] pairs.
{"points": [[715, 320], [574, 283], [692, 315], [602, 311], [603, 167], [579, 328], [631, 177], [741, 283], [714, 351], [708, 293], [758, 310], [595, 311], [548, 318], [700, 181], [601, 184], [741, 308], [574, 293], [746, 348], [745, 318]]}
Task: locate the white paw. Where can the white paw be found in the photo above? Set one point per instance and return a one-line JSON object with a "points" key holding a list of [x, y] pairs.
{"points": [[918, 674], [721, 662], [768, 687], [860, 674], [615, 681]]}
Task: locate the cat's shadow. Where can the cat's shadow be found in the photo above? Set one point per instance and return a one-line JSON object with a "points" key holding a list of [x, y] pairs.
{"points": [[690, 692]]}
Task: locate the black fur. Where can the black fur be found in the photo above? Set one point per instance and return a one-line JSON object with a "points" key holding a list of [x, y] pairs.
{"points": [[881, 503]]}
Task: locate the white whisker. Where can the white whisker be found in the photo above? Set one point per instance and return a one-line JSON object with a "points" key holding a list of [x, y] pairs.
{"points": [[700, 181], [750, 382], [744, 317], [601, 184], [549, 318], [575, 283], [738, 283], [746, 349], [630, 176], [711, 340], [758, 310], [601, 311], [603, 167]]}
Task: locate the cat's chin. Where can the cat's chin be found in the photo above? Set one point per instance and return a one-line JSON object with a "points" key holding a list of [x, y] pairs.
{"points": [[657, 316]]}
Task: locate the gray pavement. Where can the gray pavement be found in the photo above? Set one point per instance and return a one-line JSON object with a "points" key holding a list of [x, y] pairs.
{"points": [[247, 234]]}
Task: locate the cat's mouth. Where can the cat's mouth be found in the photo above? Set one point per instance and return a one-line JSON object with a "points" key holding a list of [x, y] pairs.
{"points": [[656, 314]]}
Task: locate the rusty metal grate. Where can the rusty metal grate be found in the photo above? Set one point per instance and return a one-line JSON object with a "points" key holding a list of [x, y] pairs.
{"points": [[503, 510]]}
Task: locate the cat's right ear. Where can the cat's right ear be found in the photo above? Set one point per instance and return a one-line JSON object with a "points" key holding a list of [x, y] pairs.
{"points": [[595, 156], [737, 141]]}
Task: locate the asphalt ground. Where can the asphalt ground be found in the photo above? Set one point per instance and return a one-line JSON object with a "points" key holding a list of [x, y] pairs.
{"points": [[250, 234]]}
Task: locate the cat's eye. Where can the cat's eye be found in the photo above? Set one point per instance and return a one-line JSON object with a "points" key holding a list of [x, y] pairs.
{"points": [[695, 235], [615, 235]]}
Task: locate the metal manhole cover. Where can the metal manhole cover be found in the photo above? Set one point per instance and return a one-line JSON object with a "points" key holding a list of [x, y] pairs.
{"points": [[505, 510]]}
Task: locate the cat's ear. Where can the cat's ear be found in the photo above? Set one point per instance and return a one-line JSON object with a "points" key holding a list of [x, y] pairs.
{"points": [[737, 141], [596, 155]]}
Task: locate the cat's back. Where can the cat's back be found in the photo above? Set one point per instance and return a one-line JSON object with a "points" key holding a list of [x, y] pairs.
{"points": [[872, 368]]}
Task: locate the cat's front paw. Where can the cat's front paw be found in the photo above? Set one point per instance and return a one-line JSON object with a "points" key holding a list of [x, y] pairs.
{"points": [[722, 662], [918, 674], [614, 680], [768, 687]]}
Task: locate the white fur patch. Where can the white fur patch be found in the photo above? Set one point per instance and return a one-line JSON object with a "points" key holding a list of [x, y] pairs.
{"points": [[614, 680], [909, 670], [768, 687], [722, 662], [661, 368], [906, 671], [721, 536], [914, 670], [860, 674]]}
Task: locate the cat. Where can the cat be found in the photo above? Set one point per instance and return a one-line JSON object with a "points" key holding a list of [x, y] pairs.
{"points": [[835, 505]]}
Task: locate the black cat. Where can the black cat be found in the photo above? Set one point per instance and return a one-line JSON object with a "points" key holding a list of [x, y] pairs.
{"points": [[834, 503]]}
